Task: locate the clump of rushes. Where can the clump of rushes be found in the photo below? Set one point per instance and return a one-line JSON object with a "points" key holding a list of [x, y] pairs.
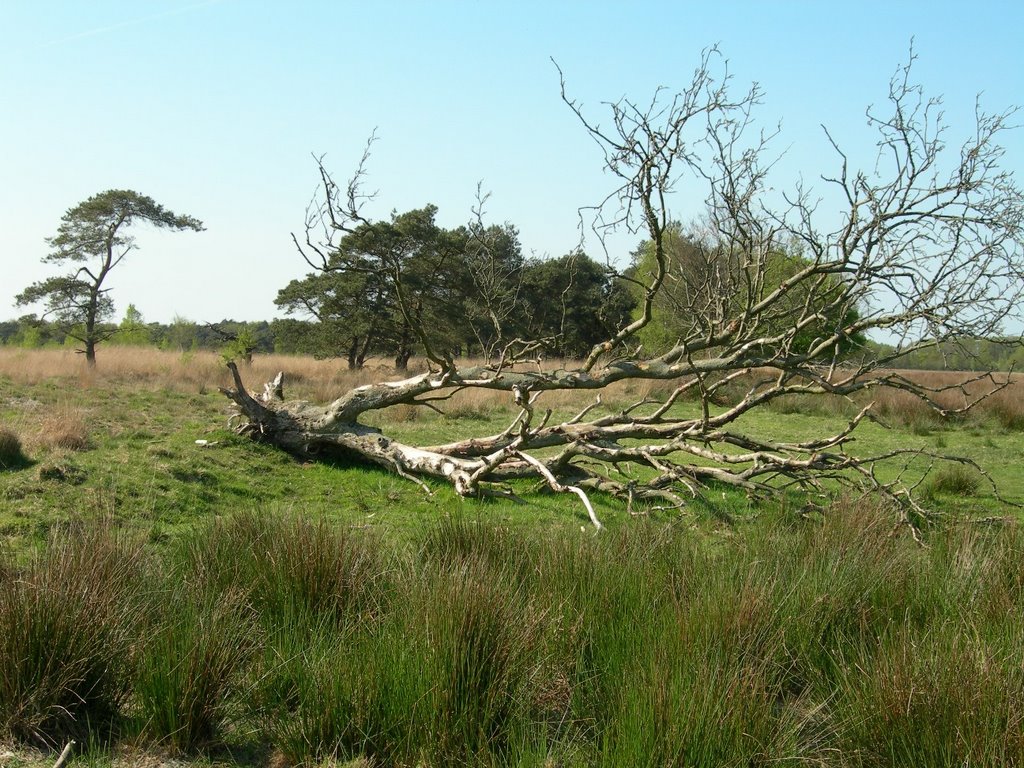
{"points": [[953, 480], [289, 565], [823, 639], [191, 665], [940, 696], [448, 678], [454, 542], [67, 622]]}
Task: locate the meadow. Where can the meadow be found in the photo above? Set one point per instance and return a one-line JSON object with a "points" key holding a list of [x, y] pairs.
{"points": [[222, 603]]}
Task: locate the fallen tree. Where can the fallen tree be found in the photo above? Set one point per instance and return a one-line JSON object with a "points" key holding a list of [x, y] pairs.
{"points": [[924, 247]]}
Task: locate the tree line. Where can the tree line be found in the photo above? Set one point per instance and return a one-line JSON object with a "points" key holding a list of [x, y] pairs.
{"points": [[180, 335], [471, 285]]}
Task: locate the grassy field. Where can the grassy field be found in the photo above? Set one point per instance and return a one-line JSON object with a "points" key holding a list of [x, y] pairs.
{"points": [[121, 443], [223, 602]]}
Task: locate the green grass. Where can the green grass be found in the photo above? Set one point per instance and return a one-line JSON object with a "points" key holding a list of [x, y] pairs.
{"points": [[826, 642], [226, 602], [190, 667], [143, 467], [67, 621]]}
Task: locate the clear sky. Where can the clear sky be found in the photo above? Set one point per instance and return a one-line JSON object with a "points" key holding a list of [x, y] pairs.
{"points": [[214, 109]]}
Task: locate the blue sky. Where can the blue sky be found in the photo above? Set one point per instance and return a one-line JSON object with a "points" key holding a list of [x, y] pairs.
{"points": [[214, 109]]}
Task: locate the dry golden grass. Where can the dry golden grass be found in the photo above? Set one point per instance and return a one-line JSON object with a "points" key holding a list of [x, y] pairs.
{"points": [[1007, 407], [997, 401], [63, 429], [305, 377], [153, 368]]}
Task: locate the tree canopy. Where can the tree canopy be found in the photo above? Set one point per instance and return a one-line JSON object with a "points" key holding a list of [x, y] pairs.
{"points": [[408, 286]]}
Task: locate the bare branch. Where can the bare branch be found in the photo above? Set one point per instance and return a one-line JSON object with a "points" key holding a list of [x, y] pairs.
{"points": [[744, 306]]}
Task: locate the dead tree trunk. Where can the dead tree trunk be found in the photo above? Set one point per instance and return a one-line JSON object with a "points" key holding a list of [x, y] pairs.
{"points": [[928, 250]]}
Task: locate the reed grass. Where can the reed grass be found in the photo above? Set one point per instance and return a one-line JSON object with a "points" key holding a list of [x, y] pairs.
{"points": [[288, 565], [190, 666], [68, 621], [831, 641], [953, 479]]}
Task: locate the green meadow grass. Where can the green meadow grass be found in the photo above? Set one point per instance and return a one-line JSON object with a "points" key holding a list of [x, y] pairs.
{"points": [[228, 605], [141, 466], [290, 639]]}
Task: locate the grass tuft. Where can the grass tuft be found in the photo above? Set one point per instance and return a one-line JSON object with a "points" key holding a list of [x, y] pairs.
{"points": [[828, 639], [67, 622], [291, 566], [937, 697], [64, 430], [61, 472], [191, 665], [456, 542], [953, 480], [12, 454]]}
